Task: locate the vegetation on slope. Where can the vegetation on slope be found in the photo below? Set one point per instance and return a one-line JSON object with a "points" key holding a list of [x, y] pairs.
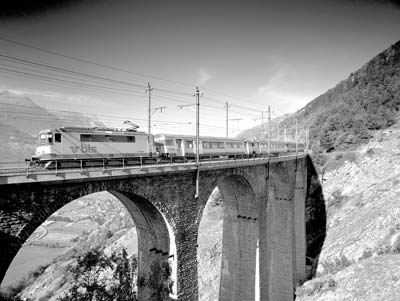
{"points": [[368, 100], [361, 251], [347, 115]]}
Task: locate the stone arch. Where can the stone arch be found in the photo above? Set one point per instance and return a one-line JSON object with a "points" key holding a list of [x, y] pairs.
{"points": [[153, 236], [239, 238], [153, 233]]}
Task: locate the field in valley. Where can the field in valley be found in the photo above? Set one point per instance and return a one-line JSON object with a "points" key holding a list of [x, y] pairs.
{"points": [[45, 244]]}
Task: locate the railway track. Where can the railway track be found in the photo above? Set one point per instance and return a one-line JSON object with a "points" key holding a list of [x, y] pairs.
{"points": [[30, 171]]}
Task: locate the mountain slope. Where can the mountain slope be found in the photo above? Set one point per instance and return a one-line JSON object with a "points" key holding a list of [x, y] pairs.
{"points": [[362, 246], [348, 114], [21, 120]]}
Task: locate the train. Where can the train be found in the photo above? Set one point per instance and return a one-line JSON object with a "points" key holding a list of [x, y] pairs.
{"points": [[72, 147]]}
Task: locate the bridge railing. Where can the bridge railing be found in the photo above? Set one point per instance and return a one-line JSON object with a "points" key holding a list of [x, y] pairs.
{"points": [[7, 168]]}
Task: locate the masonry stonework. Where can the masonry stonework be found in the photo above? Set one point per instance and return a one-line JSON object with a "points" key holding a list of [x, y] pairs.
{"points": [[264, 202]]}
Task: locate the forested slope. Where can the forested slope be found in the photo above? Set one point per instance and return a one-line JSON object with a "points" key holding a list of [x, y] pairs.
{"points": [[348, 114]]}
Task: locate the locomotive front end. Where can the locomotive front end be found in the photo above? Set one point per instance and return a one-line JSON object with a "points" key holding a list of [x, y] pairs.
{"points": [[46, 148]]}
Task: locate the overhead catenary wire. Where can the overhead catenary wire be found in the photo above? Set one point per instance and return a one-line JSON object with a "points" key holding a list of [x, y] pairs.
{"points": [[24, 73], [75, 112], [91, 62], [147, 76], [69, 77], [43, 117]]}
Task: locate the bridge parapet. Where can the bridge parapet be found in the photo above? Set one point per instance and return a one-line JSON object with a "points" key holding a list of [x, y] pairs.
{"points": [[32, 175]]}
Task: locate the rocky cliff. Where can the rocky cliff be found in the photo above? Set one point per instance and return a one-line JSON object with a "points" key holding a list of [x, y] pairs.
{"points": [[361, 252]]}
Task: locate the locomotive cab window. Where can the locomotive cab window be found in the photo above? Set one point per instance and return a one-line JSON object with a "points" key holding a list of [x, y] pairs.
{"points": [[57, 137], [45, 138]]}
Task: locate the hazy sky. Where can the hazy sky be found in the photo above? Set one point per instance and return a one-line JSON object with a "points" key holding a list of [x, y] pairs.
{"points": [[249, 53]]}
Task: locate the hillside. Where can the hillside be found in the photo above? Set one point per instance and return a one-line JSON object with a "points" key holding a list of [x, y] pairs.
{"points": [[361, 251], [21, 119], [94, 221], [16, 145], [348, 114]]}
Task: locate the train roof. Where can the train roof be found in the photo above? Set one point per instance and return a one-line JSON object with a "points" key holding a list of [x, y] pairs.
{"points": [[172, 136], [93, 130], [192, 137]]}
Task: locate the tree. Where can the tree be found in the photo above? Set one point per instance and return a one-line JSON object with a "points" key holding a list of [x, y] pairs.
{"points": [[125, 273], [97, 277], [159, 281]]}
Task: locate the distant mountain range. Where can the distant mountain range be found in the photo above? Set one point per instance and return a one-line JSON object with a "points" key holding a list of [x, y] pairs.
{"points": [[21, 120], [348, 114]]}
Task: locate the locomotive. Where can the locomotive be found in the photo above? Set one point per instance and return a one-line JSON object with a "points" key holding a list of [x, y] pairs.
{"points": [[71, 147]]}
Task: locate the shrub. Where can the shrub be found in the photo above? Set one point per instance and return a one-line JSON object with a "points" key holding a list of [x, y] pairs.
{"points": [[337, 264], [316, 286]]}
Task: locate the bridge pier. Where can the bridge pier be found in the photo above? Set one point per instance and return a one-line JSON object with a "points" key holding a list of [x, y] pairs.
{"points": [[299, 222], [261, 200], [281, 234], [239, 240]]}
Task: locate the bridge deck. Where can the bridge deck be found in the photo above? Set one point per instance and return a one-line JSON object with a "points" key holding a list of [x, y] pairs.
{"points": [[24, 175]]}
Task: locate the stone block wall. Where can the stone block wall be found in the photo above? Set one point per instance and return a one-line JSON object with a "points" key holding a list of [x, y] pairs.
{"points": [[263, 200]]}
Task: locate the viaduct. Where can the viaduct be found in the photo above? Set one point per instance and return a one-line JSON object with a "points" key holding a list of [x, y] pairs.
{"points": [[276, 204]]}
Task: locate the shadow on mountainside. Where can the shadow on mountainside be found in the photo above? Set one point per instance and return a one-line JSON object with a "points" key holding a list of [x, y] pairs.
{"points": [[315, 219]]}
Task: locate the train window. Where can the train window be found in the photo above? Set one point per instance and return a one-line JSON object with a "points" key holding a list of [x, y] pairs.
{"points": [[42, 138], [169, 142], [228, 144], [189, 144], [221, 145], [116, 138], [50, 138], [206, 144], [86, 138], [130, 139], [57, 137], [98, 138], [214, 144]]}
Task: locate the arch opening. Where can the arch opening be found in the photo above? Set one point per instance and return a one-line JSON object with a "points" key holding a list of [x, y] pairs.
{"points": [[235, 256], [209, 251], [104, 221]]}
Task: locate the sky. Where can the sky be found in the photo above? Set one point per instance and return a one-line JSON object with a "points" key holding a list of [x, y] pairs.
{"points": [[97, 57]]}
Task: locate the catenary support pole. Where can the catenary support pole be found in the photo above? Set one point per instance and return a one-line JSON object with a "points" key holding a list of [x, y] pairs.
{"points": [[227, 116], [269, 131], [197, 141], [149, 89]]}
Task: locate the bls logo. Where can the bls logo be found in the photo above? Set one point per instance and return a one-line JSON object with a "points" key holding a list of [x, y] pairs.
{"points": [[84, 149]]}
